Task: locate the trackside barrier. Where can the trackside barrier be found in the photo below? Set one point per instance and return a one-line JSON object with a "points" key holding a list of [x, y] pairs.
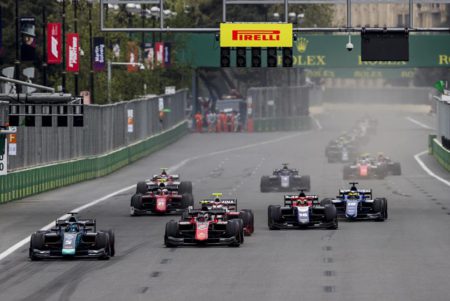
{"points": [[299, 123], [24, 183], [441, 154]]}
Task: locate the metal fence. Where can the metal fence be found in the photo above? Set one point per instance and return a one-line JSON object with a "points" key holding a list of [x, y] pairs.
{"points": [[105, 129]]}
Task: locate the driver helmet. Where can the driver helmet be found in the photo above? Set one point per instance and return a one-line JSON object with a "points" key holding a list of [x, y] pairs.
{"points": [[165, 192], [72, 228], [163, 173], [353, 195], [217, 203]]}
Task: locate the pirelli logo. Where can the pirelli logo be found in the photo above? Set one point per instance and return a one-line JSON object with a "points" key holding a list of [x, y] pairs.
{"points": [[255, 35]]}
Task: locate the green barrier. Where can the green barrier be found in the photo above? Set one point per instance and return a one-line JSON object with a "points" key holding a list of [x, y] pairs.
{"points": [[440, 153], [24, 183]]}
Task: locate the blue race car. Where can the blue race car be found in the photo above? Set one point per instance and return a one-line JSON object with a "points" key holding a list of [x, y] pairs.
{"points": [[72, 237], [355, 203]]}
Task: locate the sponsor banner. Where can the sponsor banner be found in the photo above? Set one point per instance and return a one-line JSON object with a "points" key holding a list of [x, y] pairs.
{"points": [[149, 55], [167, 57], [54, 53], [130, 120], [28, 39], [256, 35], [159, 51], [72, 52], [99, 54], [12, 144], [4, 161], [132, 57]]}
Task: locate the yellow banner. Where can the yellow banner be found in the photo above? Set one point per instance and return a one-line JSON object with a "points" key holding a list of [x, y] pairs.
{"points": [[256, 35]]}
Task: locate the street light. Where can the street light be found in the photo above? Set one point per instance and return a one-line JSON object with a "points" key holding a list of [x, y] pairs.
{"points": [[91, 49]]}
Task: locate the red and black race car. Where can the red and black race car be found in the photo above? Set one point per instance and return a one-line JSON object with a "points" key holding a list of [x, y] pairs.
{"points": [[231, 211], [160, 201], [198, 227], [302, 211], [171, 182]]}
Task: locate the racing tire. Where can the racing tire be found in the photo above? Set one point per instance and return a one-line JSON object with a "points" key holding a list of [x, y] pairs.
{"points": [[102, 242], [379, 206], [346, 172], [141, 188], [36, 242], [233, 230], [274, 215], [265, 184], [326, 201], [185, 187], [187, 200], [396, 169], [385, 209], [330, 213], [171, 230], [241, 230], [136, 203], [305, 183], [250, 223], [112, 242]]}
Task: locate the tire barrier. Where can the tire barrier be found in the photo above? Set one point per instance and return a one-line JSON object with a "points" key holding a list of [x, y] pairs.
{"points": [[24, 183]]}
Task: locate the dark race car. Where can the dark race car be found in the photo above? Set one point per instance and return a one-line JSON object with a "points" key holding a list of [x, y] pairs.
{"points": [[391, 167], [172, 182], [338, 151], [198, 227], [70, 238], [302, 211], [231, 211], [160, 200], [355, 203], [285, 179]]}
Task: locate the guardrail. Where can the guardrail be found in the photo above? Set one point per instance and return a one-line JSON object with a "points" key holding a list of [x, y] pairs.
{"points": [[438, 151], [24, 183]]}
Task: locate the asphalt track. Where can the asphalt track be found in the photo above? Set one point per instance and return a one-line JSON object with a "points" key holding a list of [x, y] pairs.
{"points": [[405, 258]]}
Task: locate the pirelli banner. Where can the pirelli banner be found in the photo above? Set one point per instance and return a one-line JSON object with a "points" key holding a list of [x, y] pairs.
{"points": [[256, 35]]}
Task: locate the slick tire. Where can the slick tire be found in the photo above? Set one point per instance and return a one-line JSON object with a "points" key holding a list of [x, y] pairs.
{"points": [[249, 220], [185, 187], [136, 204], [171, 230], [187, 200], [330, 213], [265, 184], [326, 201], [273, 216], [36, 242], [102, 242], [233, 230], [379, 206], [112, 242], [141, 188]]}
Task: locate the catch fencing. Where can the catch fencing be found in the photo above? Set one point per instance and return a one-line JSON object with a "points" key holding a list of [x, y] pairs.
{"points": [[105, 129]]}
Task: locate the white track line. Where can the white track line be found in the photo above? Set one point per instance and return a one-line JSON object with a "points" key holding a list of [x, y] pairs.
{"points": [[427, 170], [319, 126], [420, 123], [173, 168]]}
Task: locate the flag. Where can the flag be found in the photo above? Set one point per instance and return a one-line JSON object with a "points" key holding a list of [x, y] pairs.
{"points": [[99, 54], [72, 52], [132, 58], [28, 35], [440, 85], [149, 55], [159, 51], [167, 57], [54, 53]]}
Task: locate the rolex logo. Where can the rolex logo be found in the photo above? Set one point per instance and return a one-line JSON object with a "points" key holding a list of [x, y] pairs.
{"points": [[302, 44]]}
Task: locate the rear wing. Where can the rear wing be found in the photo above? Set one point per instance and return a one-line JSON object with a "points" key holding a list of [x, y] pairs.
{"points": [[364, 192], [60, 223], [231, 204], [289, 199]]}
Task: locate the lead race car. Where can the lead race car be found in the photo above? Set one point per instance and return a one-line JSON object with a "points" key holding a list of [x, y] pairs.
{"points": [[71, 238], [231, 211], [163, 194], [302, 211], [358, 204], [285, 179], [200, 227]]}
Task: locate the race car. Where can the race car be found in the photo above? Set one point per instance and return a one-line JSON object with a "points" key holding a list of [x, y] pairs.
{"points": [[285, 179], [199, 227], [161, 200], [172, 182], [231, 212], [373, 168], [355, 203], [72, 237], [302, 211], [339, 151]]}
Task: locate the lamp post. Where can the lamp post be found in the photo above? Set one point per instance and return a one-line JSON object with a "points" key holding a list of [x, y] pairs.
{"points": [[75, 26], [17, 62], [91, 49]]}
